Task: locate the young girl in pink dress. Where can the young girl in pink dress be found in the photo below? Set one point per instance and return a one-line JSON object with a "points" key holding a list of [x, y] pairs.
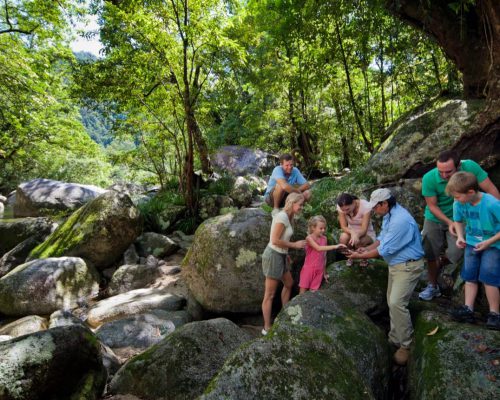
{"points": [[313, 271]]}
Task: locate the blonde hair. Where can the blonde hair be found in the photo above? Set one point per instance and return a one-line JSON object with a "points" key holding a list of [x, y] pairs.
{"points": [[462, 182], [291, 199], [313, 221]]}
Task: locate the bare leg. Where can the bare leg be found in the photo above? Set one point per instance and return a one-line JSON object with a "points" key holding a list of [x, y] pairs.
{"points": [[433, 271], [278, 194], [344, 238], [302, 290], [364, 241], [470, 294], [267, 303], [493, 296], [287, 287], [307, 195]]}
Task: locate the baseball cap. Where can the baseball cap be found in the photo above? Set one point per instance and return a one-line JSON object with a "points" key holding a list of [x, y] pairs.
{"points": [[379, 195]]}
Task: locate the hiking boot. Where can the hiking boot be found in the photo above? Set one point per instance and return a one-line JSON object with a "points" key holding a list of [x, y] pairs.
{"points": [[493, 321], [463, 314], [429, 292], [401, 356]]}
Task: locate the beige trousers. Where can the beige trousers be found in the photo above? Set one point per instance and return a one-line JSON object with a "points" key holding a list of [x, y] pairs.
{"points": [[402, 280]]}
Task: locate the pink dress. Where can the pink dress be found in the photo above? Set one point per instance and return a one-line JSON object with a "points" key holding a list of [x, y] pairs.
{"points": [[312, 272]]}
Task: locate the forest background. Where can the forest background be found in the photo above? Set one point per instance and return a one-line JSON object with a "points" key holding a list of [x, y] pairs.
{"points": [[177, 79]]}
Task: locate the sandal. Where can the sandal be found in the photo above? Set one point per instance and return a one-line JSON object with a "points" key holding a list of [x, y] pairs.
{"points": [[364, 263], [349, 262]]}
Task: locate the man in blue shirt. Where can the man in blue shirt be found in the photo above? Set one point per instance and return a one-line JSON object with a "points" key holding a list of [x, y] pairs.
{"points": [[284, 180], [400, 244]]}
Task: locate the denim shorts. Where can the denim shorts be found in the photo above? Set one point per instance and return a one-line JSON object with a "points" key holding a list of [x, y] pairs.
{"points": [[482, 266]]}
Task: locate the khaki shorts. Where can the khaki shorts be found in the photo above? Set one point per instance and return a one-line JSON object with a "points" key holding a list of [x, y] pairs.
{"points": [[435, 236], [274, 264]]}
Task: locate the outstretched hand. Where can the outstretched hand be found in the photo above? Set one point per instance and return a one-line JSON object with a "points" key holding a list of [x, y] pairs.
{"points": [[299, 244]]}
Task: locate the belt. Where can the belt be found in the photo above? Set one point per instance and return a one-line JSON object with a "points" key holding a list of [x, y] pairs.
{"points": [[409, 262]]}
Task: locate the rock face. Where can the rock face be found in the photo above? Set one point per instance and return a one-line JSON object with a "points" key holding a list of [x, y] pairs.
{"points": [[55, 283], [458, 361], [99, 232], [59, 363], [40, 195], [180, 366], [418, 138], [223, 267], [239, 161], [14, 231], [131, 303]]}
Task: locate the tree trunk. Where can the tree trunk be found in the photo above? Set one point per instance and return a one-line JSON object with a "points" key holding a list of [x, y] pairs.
{"points": [[470, 37]]}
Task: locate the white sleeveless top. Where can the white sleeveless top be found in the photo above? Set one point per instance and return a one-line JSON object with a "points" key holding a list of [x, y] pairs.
{"points": [[356, 221], [282, 218]]}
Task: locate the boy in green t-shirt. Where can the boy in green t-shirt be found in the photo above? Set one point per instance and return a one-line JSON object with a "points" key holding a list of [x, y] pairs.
{"points": [[439, 229]]}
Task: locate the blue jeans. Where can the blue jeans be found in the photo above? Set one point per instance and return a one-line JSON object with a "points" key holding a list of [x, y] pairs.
{"points": [[482, 266]]}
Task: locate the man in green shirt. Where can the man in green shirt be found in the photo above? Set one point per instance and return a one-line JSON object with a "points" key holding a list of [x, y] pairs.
{"points": [[438, 218]]}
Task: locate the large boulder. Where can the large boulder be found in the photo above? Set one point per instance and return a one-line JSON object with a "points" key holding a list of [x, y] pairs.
{"points": [[240, 161], [40, 196], [99, 232], [296, 363], [180, 366], [14, 231], [59, 363], [417, 138], [132, 303], [55, 283], [452, 360], [351, 330], [223, 266]]}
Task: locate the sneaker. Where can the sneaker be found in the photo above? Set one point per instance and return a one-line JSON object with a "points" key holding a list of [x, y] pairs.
{"points": [[493, 321], [429, 292], [264, 332], [463, 314], [401, 356]]}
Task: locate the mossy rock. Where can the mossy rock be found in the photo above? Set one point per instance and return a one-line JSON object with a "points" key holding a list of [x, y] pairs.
{"points": [[223, 268], [365, 287], [59, 363], [451, 360], [182, 364], [99, 232], [295, 363], [351, 330]]}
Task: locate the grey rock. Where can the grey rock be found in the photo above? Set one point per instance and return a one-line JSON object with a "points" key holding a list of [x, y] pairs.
{"points": [[240, 161], [44, 194], [130, 256], [63, 318], [55, 283], [15, 231], [142, 330], [24, 326], [129, 277], [212, 205], [158, 245], [17, 255]]}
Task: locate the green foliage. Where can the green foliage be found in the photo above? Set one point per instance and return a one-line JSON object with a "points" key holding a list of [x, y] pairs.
{"points": [[221, 186]]}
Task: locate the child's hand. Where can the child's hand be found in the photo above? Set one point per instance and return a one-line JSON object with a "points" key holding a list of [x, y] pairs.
{"points": [[481, 246], [461, 243], [354, 240], [341, 246]]}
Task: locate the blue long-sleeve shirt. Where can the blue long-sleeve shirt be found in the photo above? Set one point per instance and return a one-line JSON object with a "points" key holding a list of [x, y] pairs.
{"points": [[400, 238]]}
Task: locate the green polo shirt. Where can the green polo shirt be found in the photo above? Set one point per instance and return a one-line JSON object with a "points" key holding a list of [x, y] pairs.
{"points": [[434, 185]]}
